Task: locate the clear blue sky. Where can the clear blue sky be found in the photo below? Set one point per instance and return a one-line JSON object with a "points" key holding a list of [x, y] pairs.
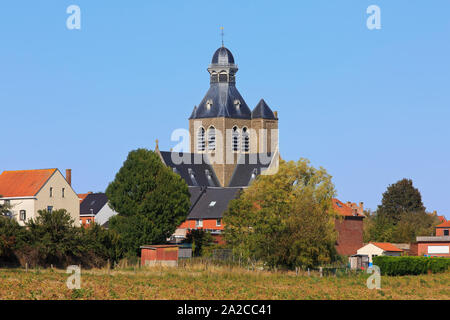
{"points": [[371, 107]]}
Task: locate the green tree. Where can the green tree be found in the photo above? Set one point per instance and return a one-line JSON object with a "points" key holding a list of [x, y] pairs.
{"points": [[4, 207], [200, 240], [285, 219], [150, 198], [399, 198], [55, 238]]}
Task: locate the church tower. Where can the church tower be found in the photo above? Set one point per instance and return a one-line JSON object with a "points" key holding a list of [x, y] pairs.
{"points": [[222, 125]]}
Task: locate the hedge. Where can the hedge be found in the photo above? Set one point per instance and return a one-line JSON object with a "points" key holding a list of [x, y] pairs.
{"points": [[406, 265]]}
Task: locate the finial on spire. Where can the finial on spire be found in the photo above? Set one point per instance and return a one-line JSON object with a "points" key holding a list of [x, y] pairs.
{"points": [[157, 146], [221, 28]]}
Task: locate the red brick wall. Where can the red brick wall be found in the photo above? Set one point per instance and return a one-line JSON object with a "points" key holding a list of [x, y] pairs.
{"points": [[423, 248], [440, 231], [207, 224], [350, 235]]}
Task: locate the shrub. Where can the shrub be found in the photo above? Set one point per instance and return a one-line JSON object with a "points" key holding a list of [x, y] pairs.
{"points": [[399, 266]]}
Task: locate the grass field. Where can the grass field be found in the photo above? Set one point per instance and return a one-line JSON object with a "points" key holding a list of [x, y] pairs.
{"points": [[214, 282]]}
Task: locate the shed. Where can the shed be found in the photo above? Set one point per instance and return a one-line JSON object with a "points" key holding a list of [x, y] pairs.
{"points": [[165, 255], [374, 249]]}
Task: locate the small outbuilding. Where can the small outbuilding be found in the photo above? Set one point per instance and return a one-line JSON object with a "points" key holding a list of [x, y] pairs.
{"points": [[164, 255], [374, 249]]}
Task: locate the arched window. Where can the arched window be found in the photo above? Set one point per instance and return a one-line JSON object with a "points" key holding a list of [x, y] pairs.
{"points": [[212, 138], [201, 139], [235, 139], [245, 140]]}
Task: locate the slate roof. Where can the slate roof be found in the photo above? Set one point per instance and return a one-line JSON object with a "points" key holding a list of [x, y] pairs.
{"points": [[262, 111], [213, 203], [195, 171], [249, 167], [223, 97], [93, 203], [23, 183], [222, 56]]}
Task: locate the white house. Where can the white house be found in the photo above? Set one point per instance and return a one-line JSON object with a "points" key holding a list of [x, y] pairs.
{"points": [[95, 208], [374, 249], [28, 191]]}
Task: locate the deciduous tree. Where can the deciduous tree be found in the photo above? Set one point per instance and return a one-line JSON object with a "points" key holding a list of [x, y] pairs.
{"points": [[285, 219]]}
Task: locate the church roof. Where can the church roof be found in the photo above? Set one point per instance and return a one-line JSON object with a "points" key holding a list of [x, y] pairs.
{"points": [[222, 56], [262, 111], [249, 167], [222, 100], [195, 170]]}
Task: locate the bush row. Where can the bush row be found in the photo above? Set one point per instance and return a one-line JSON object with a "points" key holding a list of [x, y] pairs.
{"points": [[52, 239], [399, 266]]}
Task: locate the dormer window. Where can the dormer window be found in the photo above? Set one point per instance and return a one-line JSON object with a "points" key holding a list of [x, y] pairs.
{"points": [[192, 176], [237, 104], [209, 104]]}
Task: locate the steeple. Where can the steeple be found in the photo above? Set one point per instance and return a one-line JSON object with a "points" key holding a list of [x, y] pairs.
{"points": [[222, 99]]}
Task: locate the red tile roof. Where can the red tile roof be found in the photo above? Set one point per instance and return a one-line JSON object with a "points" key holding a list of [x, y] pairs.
{"points": [[23, 183], [343, 209], [386, 246], [445, 224]]}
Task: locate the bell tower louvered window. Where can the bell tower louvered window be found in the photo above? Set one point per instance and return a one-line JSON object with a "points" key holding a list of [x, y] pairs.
{"points": [[245, 140], [212, 139], [235, 139], [201, 140]]}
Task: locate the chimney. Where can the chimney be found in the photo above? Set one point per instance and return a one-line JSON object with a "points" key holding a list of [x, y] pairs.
{"points": [[69, 176]]}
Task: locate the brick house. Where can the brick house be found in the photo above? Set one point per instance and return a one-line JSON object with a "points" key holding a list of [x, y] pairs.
{"points": [[349, 227], [437, 246]]}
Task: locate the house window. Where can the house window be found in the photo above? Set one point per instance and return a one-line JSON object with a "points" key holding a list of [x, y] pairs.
{"points": [[235, 137], [245, 140], [23, 215], [51, 192], [63, 192], [50, 209], [88, 221], [212, 138], [446, 232], [201, 139], [199, 223], [218, 223]]}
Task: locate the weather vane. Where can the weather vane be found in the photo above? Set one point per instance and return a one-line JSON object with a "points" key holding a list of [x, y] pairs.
{"points": [[221, 28]]}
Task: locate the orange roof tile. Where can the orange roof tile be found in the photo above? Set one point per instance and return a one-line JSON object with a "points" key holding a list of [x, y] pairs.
{"points": [[445, 224], [386, 246], [23, 183], [442, 218], [343, 209]]}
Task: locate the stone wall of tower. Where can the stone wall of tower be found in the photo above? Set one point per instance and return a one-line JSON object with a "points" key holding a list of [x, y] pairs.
{"points": [[223, 166], [271, 132]]}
